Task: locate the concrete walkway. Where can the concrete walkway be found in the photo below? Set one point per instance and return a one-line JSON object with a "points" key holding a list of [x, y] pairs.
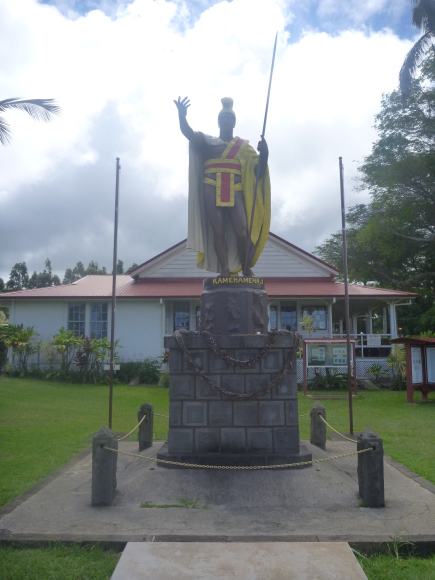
{"points": [[244, 561], [315, 504]]}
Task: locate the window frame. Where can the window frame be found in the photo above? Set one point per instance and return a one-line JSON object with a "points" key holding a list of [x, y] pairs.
{"points": [[103, 332], [72, 322], [308, 310]]}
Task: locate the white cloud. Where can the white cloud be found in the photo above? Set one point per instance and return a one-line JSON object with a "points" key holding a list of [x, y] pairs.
{"points": [[115, 79]]}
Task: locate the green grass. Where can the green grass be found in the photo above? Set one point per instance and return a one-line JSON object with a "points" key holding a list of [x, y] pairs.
{"points": [[391, 568], [408, 431], [44, 424], [56, 563]]}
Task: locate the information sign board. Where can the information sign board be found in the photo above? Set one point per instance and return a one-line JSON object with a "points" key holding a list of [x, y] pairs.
{"points": [[430, 364], [373, 340], [327, 354], [417, 366]]}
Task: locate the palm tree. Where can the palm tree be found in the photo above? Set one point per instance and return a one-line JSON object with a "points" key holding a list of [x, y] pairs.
{"points": [[38, 109], [423, 17]]}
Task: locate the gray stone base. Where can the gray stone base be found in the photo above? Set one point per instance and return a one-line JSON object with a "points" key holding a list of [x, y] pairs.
{"points": [[235, 459]]}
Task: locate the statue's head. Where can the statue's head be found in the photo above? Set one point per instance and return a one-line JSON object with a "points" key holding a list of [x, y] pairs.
{"points": [[227, 117]]}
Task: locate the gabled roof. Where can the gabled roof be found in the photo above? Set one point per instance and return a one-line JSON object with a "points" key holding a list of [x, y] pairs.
{"points": [[100, 287], [279, 258]]}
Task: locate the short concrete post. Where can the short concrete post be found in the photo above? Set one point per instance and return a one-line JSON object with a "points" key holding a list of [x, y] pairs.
{"points": [[371, 469], [318, 427], [104, 467], [145, 435]]}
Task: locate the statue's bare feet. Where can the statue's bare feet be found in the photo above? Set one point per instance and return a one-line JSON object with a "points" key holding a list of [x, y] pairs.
{"points": [[248, 273], [225, 274]]}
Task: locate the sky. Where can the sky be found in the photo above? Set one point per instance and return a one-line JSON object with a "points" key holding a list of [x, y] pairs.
{"points": [[115, 67]]}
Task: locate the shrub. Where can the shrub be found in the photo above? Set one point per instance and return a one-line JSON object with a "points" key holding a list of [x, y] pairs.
{"points": [[149, 371], [331, 380], [164, 381], [128, 371]]}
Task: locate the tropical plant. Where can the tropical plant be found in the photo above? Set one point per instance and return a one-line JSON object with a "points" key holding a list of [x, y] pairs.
{"points": [[307, 323], [376, 371], [38, 109], [427, 334], [423, 18], [65, 343], [20, 340], [149, 371], [397, 361]]}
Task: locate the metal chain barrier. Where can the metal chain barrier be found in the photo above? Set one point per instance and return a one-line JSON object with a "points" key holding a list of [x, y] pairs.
{"points": [[133, 430], [335, 430], [271, 338], [238, 467], [286, 367]]}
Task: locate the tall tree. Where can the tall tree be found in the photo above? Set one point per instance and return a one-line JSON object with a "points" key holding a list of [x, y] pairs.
{"points": [[120, 267], [392, 239], [132, 267], [18, 278], [423, 17], [38, 109], [2, 285], [45, 278]]}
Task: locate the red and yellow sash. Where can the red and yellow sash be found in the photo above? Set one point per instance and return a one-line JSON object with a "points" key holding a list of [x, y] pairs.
{"points": [[225, 169]]}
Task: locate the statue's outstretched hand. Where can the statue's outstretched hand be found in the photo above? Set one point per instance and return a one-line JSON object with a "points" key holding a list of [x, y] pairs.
{"points": [[182, 106]]}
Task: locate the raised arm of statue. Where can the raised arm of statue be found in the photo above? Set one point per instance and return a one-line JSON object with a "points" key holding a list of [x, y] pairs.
{"points": [[185, 128]]}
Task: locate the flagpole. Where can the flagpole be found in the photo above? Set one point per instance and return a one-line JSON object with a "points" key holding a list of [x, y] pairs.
{"points": [[112, 325], [346, 297]]}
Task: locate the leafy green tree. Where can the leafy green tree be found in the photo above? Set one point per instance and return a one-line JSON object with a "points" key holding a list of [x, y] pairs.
{"points": [[120, 267], [423, 18], [94, 270], [391, 241], [132, 267], [2, 285], [38, 109], [18, 278], [45, 278]]}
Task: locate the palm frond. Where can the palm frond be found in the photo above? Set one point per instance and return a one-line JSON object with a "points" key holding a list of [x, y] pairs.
{"points": [[5, 133], [411, 63], [423, 15], [38, 109]]}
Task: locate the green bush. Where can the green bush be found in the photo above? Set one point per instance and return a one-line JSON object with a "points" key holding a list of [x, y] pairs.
{"points": [[149, 371], [128, 370], [332, 380], [164, 381]]}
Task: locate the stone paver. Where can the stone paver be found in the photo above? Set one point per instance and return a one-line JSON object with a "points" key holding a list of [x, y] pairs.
{"points": [[244, 561], [319, 503]]}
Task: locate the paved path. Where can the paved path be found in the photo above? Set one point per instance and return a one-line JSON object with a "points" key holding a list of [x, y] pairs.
{"points": [[318, 503], [244, 561]]}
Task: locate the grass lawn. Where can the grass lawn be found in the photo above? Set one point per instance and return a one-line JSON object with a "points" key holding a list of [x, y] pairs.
{"points": [[44, 424], [57, 563], [408, 431]]}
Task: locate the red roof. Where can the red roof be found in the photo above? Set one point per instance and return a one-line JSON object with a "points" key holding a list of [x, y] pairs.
{"points": [[93, 287], [413, 340]]}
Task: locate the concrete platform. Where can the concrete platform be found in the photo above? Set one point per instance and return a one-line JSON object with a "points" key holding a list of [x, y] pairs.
{"points": [[217, 561], [316, 504]]}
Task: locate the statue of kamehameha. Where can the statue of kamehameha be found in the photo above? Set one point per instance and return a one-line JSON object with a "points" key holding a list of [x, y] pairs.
{"points": [[222, 181]]}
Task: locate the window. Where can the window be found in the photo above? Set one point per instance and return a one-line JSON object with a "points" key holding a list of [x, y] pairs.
{"points": [[273, 318], [319, 316], [288, 318], [181, 315], [98, 327], [76, 318]]}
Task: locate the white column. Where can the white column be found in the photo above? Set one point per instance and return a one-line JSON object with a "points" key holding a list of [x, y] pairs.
{"points": [[370, 322], [384, 320], [354, 325], [330, 319], [340, 322], [393, 321]]}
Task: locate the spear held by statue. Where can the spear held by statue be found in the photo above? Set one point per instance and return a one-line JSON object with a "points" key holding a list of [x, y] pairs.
{"points": [[257, 178]]}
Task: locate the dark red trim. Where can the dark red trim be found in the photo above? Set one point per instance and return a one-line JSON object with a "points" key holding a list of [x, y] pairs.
{"points": [[235, 149]]}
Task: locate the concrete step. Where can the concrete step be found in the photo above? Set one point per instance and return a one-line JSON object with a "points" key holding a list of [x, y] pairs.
{"points": [[238, 560]]}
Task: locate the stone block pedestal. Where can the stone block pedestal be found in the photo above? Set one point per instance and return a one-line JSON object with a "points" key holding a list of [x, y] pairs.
{"points": [[208, 427]]}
